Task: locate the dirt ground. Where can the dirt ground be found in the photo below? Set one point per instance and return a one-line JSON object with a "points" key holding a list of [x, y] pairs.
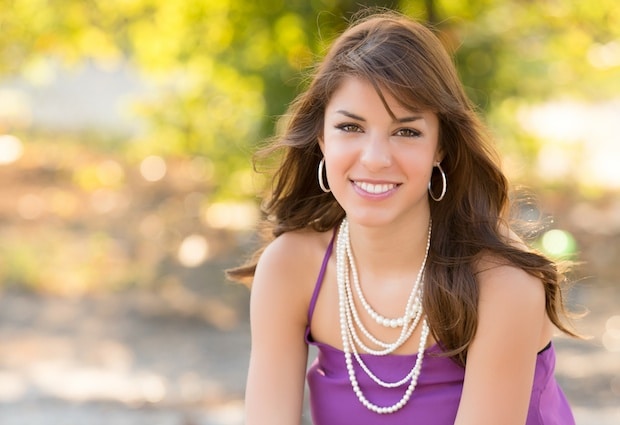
{"points": [[153, 358]]}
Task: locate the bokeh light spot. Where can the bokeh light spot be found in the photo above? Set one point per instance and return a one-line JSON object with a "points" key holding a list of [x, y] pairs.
{"points": [[558, 243], [611, 342], [110, 173], [193, 251], [15, 108], [201, 169], [230, 215], [612, 326], [61, 202], [153, 168], [604, 56], [11, 149]]}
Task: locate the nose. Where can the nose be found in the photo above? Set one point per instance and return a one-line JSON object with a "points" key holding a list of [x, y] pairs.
{"points": [[376, 153]]}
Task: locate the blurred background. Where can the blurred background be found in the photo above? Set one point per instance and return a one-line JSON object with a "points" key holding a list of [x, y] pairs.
{"points": [[126, 131]]}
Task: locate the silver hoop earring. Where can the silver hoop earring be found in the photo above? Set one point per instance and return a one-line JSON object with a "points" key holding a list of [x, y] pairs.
{"points": [[444, 185], [324, 187]]}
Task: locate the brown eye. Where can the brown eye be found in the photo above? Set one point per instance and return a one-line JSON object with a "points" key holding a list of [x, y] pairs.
{"points": [[349, 128], [408, 132]]}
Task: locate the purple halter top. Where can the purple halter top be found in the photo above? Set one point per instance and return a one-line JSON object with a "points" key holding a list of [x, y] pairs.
{"points": [[436, 398]]}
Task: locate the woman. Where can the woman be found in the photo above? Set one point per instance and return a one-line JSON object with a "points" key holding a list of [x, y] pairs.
{"points": [[390, 252]]}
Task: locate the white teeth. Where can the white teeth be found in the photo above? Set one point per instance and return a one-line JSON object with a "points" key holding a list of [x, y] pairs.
{"points": [[375, 188]]}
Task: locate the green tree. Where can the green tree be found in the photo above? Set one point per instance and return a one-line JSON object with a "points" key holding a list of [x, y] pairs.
{"points": [[226, 69]]}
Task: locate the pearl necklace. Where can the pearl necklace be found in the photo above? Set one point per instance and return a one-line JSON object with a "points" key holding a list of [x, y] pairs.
{"points": [[349, 317], [413, 309], [414, 303]]}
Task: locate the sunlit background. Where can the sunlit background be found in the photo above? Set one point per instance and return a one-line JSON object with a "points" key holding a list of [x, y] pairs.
{"points": [[126, 131]]}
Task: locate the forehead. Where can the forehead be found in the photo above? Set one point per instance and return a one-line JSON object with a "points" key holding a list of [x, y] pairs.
{"points": [[360, 93]]}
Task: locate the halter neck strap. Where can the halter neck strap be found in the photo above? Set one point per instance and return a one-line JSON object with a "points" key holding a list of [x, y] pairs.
{"points": [[321, 276]]}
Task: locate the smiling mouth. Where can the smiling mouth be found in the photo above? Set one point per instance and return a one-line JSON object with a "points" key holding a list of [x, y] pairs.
{"points": [[375, 189]]}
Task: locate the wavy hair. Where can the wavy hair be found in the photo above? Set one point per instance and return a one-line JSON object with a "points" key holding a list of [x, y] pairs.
{"points": [[405, 59]]}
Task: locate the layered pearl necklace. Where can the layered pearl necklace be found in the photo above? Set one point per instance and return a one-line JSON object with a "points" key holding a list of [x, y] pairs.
{"points": [[350, 321]]}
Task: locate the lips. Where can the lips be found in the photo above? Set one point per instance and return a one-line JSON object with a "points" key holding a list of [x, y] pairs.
{"points": [[375, 189]]}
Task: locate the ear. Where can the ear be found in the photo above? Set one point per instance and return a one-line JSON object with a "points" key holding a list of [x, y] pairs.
{"points": [[439, 155]]}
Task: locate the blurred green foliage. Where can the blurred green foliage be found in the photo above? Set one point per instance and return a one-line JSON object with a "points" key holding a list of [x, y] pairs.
{"points": [[226, 69], [81, 213]]}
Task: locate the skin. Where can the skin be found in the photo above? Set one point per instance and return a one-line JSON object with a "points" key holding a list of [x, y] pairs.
{"points": [[378, 167]]}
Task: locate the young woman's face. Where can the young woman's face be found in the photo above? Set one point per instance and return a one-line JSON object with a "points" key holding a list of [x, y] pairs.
{"points": [[378, 167]]}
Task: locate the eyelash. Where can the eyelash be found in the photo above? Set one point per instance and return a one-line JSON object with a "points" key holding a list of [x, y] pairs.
{"points": [[349, 128], [411, 132], [354, 128]]}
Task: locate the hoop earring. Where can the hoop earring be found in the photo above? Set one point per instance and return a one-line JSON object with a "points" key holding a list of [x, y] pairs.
{"points": [[324, 187], [444, 185]]}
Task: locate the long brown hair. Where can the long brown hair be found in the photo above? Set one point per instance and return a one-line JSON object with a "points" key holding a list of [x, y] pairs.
{"points": [[405, 59]]}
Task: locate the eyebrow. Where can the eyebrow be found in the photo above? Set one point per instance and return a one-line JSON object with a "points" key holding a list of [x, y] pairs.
{"points": [[399, 120]]}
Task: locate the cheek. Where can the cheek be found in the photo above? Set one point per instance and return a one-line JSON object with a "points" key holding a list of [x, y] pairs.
{"points": [[418, 165], [338, 161], [336, 150], [334, 166]]}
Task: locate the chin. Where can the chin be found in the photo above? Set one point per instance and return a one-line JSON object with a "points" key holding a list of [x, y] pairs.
{"points": [[369, 219]]}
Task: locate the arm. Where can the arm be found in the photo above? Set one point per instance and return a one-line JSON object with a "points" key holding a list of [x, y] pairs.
{"points": [[278, 309], [502, 357]]}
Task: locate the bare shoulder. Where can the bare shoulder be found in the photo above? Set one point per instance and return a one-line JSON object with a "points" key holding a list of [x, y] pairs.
{"points": [[289, 266], [499, 280], [511, 308], [292, 253]]}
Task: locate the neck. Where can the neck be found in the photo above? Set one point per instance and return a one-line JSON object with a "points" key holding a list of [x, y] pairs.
{"points": [[396, 250]]}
